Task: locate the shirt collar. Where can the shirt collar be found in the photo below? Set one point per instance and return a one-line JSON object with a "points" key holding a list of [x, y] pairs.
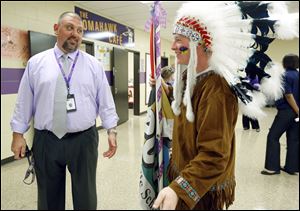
{"points": [[59, 52], [203, 72]]}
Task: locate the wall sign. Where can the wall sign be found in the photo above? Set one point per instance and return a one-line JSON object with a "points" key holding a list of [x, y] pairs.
{"points": [[100, 28]]}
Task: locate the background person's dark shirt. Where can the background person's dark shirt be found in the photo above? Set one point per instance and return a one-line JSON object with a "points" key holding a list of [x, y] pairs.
{"points": [[291, 86]]}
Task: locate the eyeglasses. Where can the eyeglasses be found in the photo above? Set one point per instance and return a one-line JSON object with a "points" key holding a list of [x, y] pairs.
{"points": [[30, 169]]}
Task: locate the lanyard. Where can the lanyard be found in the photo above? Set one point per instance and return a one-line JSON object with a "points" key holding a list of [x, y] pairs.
{"points": [[30, 169], [67, 80]]}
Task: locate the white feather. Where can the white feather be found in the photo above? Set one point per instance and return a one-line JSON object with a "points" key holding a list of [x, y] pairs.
{"points": [[175, 108], [251, 110], [177, 89], [191, 79], [254, 108], [273, 87], [287, 27], [231, 41], [276, 7], [259, 98], [190, 115]]}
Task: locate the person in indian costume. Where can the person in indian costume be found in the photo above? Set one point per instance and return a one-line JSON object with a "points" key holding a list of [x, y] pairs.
{"points": [[213, 41]]}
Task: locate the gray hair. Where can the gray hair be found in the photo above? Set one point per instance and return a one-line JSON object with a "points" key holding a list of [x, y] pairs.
{"points": [[71, 14], [166, 72]]}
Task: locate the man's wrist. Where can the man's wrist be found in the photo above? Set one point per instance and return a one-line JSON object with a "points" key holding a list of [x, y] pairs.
{"points": [[112, 130], [17, 135]]}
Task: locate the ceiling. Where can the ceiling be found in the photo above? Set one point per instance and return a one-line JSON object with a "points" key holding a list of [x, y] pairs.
{"points": [[135, 13]]}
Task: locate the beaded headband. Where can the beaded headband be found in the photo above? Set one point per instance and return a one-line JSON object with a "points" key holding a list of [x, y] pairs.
{"points": [[195, 30]]}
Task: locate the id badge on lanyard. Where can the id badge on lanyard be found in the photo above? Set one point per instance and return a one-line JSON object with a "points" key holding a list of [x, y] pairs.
{"points": [[71, 104]]}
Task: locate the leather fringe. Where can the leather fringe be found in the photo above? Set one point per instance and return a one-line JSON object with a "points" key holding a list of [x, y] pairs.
{"points": [[219, 196], [222, 196]]}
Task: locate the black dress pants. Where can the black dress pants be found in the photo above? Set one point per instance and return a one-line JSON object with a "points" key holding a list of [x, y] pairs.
{"points": [[284, 122], [76, 151]]}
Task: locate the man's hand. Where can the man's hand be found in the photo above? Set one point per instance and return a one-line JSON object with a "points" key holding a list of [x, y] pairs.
{"points": [[152, 81], [166, 200], [112, 143], [18, 145]]}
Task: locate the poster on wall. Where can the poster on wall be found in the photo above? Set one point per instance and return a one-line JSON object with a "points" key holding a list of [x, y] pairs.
{"points": [[102, 53], [99, 28], [14, 44]]}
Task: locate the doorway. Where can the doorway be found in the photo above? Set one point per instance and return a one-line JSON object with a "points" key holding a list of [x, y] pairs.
{"points": [[164, 61], [134, 57], [121, 80], [120, 83]]}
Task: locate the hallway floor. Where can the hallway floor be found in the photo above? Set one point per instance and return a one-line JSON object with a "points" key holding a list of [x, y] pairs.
{"points": [[118, 178]]}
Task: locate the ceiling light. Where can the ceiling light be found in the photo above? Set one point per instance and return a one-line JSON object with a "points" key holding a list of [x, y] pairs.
{"points": [[99, 35]]}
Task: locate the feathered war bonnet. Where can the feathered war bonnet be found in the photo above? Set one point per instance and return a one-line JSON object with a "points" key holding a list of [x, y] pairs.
{"points": [[237, 34]]}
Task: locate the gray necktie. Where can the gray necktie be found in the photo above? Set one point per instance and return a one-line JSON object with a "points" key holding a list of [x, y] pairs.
{"points": [[59, 127]]}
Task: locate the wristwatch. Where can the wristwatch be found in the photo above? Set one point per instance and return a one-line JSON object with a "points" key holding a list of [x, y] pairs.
{"points": [[112, 130]]}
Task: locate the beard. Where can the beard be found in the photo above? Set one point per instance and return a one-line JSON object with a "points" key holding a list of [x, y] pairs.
{"points": [[71, 45]]}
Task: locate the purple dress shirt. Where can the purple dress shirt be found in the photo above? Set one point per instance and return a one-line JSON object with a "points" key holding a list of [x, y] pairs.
{"points": [[88, 83]]}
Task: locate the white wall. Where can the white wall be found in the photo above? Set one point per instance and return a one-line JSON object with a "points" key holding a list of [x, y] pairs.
{"points": [[279, 48]]}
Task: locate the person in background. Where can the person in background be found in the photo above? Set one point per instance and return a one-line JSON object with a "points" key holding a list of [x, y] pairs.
{"points": [[167, 73], [286, 121], [253, 81], [246, 123], [64, 90]]}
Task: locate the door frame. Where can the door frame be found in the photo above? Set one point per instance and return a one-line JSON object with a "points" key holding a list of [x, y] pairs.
{"points": [[136, 82]]}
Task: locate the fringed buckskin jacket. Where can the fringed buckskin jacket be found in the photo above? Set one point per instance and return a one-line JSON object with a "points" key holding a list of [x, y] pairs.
{"points": [[201, 171]]}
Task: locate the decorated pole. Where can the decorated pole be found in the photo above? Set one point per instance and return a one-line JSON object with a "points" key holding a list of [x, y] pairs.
{"points": [[153, 171], [158, 92], [152, 53]]}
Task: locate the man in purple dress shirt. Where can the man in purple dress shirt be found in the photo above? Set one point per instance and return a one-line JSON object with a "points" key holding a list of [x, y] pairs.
{"points": [[78, 148]]}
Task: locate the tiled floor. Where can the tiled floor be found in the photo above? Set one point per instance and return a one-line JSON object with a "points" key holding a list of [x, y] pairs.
{"points": [[118, 178]]}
